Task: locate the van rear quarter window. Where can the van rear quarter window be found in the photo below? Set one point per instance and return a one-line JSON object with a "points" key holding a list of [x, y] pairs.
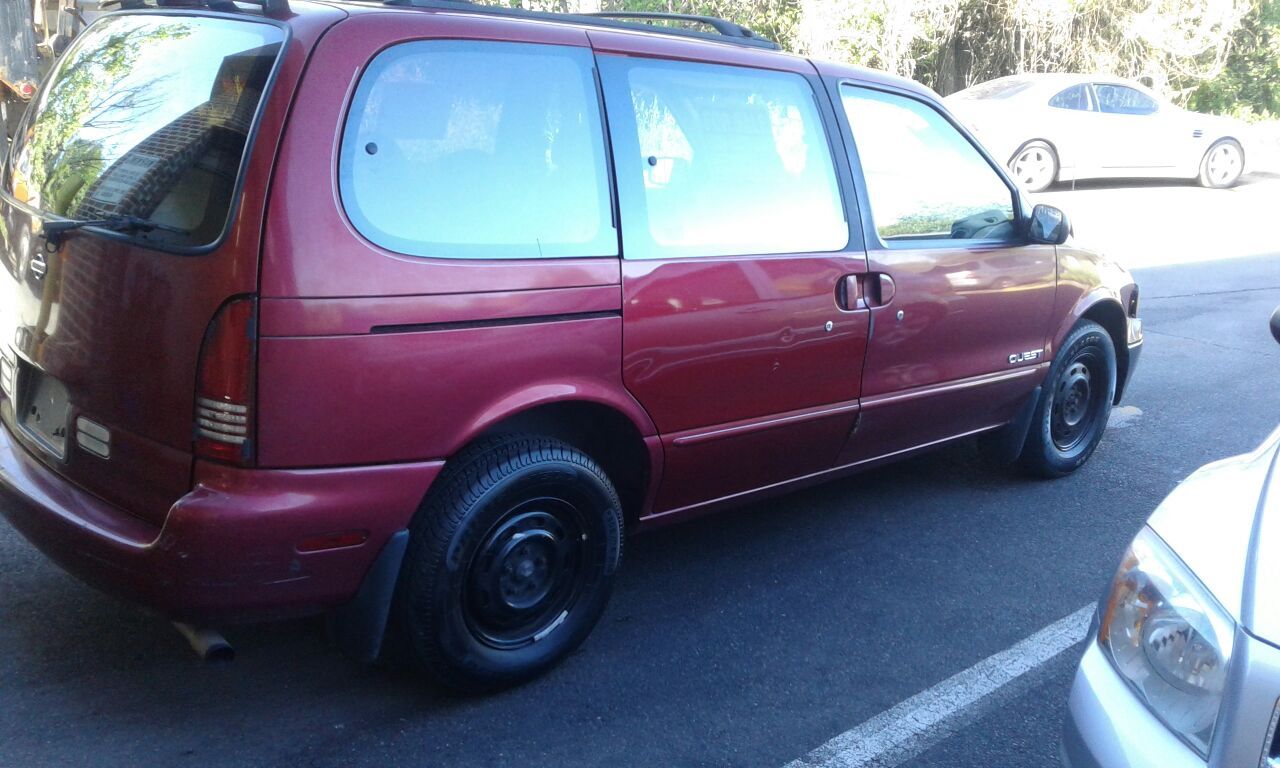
{"points": [[474, 149], [148, 116]]}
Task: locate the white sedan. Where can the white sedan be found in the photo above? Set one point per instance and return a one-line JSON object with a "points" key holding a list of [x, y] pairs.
{"points": [[1060, 127]]}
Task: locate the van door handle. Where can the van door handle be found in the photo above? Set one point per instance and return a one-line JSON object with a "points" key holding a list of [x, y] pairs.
{"points": [[849, 294], [883, 289], [865, 291], [38, 266]]}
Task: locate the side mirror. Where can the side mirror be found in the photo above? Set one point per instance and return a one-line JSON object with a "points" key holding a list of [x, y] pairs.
{"points": [[1275, 324], [1049, 225]]}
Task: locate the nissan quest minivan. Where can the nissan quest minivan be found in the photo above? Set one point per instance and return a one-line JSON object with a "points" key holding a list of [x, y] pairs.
{"points": [[406, 313]]}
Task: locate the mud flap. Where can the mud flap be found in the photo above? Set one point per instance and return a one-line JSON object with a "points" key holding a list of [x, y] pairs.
{"points": [[359, 627], [1004, 445]]}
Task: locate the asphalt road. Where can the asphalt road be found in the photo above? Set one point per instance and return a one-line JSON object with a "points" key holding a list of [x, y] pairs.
{"points": [[746, 639]]}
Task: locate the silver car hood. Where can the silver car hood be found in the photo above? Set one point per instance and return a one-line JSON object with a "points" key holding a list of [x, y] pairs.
{"points": [[1224, 522]]}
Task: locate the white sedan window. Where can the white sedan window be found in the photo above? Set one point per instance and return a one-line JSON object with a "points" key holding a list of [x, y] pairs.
{"points": [[1122, 100], [1075, 97]]}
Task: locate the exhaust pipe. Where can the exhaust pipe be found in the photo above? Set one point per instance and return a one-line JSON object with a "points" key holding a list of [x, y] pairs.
{"points": [[208, 644]]}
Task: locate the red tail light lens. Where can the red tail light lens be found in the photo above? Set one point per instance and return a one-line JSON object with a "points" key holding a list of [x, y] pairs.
{"points": [[224, 423], [26, 89]]}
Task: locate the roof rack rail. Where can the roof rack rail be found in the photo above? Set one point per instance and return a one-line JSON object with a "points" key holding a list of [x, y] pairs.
{"points": [[722, 30], [272, 8], [723, 26]]}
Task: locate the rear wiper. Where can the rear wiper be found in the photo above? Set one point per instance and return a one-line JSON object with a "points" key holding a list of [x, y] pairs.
{"points": [[54, 230]]}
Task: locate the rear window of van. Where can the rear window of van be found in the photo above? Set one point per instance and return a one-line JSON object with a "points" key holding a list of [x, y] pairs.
{"points": [[147, 116]]}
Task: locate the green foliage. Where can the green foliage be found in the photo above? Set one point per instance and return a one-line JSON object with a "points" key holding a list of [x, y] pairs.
{"points": [[1249, 86]]}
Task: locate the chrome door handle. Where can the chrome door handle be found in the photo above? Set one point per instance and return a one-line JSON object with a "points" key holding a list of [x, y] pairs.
{"points": [[38, 266], [885, 289], [849, 293], [864, 291]]}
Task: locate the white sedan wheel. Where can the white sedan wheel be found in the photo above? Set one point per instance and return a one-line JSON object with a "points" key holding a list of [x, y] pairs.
{"points": [[1222, 165], [1035, 167]]}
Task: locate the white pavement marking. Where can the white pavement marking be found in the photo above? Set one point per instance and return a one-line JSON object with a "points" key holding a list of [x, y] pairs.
{"points": [[896, 735]]}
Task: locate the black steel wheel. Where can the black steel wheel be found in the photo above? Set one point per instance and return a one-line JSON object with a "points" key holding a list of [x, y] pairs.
{"points": [[527, 573], [1077, 399], [510, 563], [1075, 403]]}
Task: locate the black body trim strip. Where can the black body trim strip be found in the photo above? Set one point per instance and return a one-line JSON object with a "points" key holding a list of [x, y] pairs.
{"points": [[498, 323]]}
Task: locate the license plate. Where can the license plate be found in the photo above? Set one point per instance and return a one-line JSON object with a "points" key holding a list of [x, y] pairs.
{"points": [[44, 410]]}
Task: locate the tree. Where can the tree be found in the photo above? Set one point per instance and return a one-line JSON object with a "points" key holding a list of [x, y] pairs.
{"points": [[1249, 84]]}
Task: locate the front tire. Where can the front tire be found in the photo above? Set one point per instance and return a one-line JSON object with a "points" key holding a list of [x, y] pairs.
{"points": [[510, 563], [1075, 403], [1034, 166], [1222, 166]]}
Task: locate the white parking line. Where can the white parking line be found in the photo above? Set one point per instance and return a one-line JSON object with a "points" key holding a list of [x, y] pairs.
{"points": [[899, 734]]}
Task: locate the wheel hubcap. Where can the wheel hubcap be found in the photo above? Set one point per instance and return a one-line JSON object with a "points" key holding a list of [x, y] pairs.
{"points": [[526, 574], [1033, 168], [1224, 163]]}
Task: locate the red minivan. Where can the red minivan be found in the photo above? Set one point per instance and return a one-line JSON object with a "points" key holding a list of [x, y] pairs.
{"points": [[408, 312]]}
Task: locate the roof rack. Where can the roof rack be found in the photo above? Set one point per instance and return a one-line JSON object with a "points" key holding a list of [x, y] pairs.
{"points": [[723, 26], [273, 8], [721, 30]]}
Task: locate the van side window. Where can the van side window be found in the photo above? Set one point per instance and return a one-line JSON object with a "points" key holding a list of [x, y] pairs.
{"points": [[480, 150], [716, 161], [925, 180]]}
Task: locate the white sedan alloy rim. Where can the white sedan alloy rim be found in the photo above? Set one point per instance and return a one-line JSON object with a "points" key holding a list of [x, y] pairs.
{"points": [[1223, 164], [1033, 168]]}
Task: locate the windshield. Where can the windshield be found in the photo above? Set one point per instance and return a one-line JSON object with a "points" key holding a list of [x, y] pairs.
{"points": [[996, 89], [147, 116]]}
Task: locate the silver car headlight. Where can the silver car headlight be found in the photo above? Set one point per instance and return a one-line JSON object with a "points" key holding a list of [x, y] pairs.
{"points": [[1169, 639]]}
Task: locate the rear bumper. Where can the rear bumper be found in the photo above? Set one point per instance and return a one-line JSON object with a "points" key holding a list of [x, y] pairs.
{"points": [[227, 551]]}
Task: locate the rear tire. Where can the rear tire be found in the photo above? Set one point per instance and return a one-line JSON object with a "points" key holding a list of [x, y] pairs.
{"points": [[1034, 166], [510, 563], [1222, 166], [1075, 403]]}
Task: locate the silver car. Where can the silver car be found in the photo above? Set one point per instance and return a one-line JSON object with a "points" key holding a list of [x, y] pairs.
{"points": [[1183, 662], [1059, 127]]}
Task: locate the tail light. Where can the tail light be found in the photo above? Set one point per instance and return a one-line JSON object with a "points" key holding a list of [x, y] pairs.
{"points": [[26, 89], [225, 385]]}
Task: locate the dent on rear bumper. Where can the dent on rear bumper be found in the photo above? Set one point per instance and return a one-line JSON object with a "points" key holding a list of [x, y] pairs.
{"points": [[228, 549], [1108, 727]]}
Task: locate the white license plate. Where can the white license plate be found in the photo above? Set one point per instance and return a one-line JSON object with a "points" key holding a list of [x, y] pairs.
{"points": [[44, 410]]}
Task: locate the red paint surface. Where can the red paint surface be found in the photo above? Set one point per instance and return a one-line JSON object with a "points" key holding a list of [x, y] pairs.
{"points": [[227, 550]]}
